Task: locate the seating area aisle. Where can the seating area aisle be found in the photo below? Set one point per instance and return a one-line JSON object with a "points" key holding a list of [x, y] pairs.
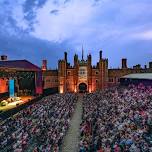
{"points": [[71, 140]]}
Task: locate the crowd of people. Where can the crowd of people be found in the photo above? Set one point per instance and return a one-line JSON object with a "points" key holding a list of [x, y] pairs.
{"points": [[39, 128], [117, 120]]}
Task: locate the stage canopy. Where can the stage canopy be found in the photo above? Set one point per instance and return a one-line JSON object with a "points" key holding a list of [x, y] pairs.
{"points": [[27, 76], [19, 64], [145, 78]]}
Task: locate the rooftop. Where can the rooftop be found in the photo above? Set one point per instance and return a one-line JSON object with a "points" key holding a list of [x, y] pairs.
{"points": [[139, 76], [19, 64]]}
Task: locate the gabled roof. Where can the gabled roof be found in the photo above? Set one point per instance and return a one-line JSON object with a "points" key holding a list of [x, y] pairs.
{"points": [[19, 64], [139, 76]]}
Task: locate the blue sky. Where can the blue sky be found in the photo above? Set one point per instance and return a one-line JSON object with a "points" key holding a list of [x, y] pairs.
{"points": [[44, 29]]}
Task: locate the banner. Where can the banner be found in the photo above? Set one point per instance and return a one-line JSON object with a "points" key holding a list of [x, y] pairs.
{"points": [[11, 88], [39, 89], [3, 86]]}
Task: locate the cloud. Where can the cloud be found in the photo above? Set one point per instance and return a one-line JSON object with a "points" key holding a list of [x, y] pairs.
{"points": [[73, 16], [55, 12], [79, 20], [117, 27], [145, 35], [30, 8], [33, 49]]}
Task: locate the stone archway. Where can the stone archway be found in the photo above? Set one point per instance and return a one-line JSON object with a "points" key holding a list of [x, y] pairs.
{"points": [[82, 87]]}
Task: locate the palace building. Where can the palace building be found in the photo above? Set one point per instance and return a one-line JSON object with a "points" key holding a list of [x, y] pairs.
{"points": [[29, 79], [83, 77]]}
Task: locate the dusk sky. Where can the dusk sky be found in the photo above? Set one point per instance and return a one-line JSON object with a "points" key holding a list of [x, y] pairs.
{"points": [[44, 29]]}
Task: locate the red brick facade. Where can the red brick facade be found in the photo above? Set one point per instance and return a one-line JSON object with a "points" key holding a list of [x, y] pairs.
{"points": [[71, 77], [95, 78]]}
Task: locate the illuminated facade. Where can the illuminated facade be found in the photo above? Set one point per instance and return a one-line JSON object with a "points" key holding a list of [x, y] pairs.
{"points": [[82, 76]]}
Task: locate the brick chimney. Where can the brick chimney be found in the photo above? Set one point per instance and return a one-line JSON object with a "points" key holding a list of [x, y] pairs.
{"points": [[150, 65], [3, 57], [44, 65], [124, 63]]}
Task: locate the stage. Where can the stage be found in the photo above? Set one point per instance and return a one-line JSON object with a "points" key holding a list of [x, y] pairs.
{"points": [[11, 105]]}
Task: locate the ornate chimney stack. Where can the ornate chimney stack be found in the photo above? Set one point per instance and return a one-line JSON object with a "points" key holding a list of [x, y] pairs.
{"points": [[145, 66], [75, 60], [124, 63], [89, 59], [150, 65], [44, 65], [3, 57]]}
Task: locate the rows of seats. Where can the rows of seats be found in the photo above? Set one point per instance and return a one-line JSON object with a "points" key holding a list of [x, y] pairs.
{"points": [[40, 127], [117, 120]]}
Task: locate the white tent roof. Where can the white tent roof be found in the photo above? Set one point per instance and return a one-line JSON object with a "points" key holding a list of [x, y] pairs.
{"points": [[139, 76]]}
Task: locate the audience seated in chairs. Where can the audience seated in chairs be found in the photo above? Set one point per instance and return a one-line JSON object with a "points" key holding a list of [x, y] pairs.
{"points": [[117, 120], [41, 127]]}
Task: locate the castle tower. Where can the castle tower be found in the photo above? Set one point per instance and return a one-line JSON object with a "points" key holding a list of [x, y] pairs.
{"points": [[62, 67], [103, 72], [76, 69]]}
